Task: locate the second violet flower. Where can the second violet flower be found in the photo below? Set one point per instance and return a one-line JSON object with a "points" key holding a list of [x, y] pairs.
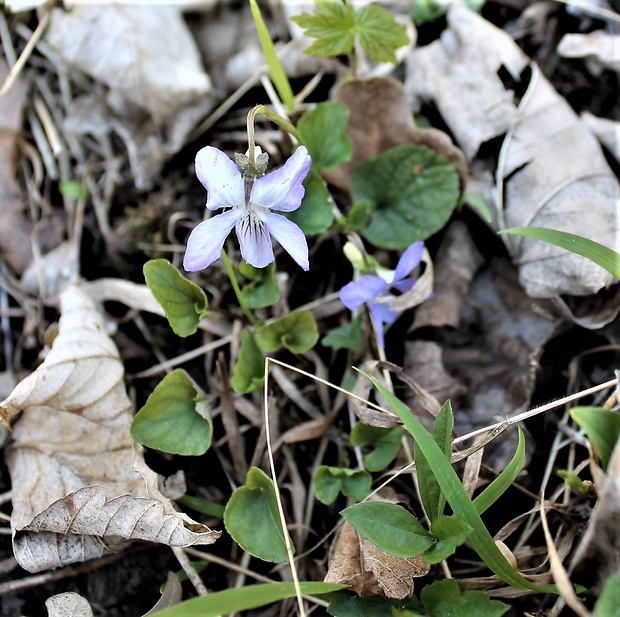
{"points": [[374, 290], [252, 204]]}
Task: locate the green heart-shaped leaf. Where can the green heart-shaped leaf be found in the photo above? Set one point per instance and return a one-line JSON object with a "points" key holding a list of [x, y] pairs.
{"points": [[411, 191], [249, 373], [251, 518], [329, 481], [184, 303], [297, 332], [175, 418]]}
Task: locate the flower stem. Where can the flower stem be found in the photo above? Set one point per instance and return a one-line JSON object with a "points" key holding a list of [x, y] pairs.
{"points": [[233, 279], [274, 117]]}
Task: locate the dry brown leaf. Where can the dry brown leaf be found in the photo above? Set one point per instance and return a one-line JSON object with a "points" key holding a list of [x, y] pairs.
{"points": [[551, 170], [380, 119], [69, 604], [80, 485], [172, 594], [15, 229], [369, 571]]}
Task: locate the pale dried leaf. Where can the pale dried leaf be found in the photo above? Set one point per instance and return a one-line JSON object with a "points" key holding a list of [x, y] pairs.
{"points": [[80, 485], [601, 47], [551, 173], [606, 131], [69, 604]]}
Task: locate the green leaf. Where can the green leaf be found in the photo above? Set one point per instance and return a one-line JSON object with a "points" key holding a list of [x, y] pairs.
{"points": [[385, 442], [249, 373], [449, 533], [329, 481], [251, 518], [315, 214], [184, 303], [433, 499], [444, 599], [349, 336], [324, 131], [357, 218], [602, 426], [390, 527], [609, 600], [297, 332], [344, 604], [411, 190], [424, 11], [175, 418], [262, 290], [503, 481], [480, 538], [278, 75], [476, 202], [204, 506], [333, 25], [243, 598], [601, 255], [73, 190], [379, 33]]}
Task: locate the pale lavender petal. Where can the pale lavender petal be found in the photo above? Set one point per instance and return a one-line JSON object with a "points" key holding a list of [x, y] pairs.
{"points": [[254, 240], [409, 260], [380, 314], [282, 189], [367, 288], [205, 243], [292, 239], [221, 177], [403, 286]]}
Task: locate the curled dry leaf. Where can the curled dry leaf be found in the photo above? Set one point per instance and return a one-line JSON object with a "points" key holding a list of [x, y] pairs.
{"points": [[601, 47], [80, 485], [551, 170], [369, 571], [381, 119], [69, 604], [15, 229]]}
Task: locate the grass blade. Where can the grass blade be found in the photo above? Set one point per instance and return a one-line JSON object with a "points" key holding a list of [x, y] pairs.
{"points": [[601, 255]]}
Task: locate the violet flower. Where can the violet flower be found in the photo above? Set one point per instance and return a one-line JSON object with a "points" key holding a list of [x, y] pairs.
{"points": [[374, 290], [252, 202]]}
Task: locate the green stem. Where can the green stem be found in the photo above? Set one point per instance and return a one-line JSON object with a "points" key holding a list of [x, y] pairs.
{"points": [[233, 279], [275, 118]]}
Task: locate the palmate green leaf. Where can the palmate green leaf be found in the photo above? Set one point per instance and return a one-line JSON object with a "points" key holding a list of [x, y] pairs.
{"points": [[349, 336], [385, 441], [315, 214], [600, 254], [333, 25], [379, 33], [297, 332], [444, 599], [262, 289], [243, 599], [390, 527], [249, 373], [324, 131], [412, 192], [184, 303], [251, 518], [449, 533], [329, 481], [602, 426], [274, 65], [175, 418], [463, 508], [433, 499]]}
